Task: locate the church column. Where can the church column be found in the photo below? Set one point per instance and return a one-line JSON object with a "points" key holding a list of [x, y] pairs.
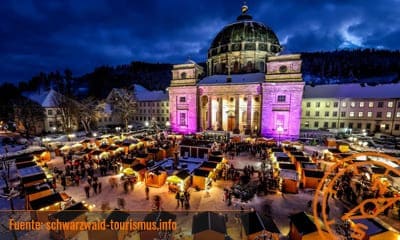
{"points": [[237, 112], [220, 108], [249, 111], [209, 123]]}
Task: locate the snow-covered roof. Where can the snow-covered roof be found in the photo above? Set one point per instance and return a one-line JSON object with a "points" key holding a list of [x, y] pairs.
{"points": [[352, 90], [143, 94], [45, 98], [236, 79]]}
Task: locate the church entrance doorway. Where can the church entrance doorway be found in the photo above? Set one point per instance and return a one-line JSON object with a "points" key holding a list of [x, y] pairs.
{"points": [[231, 123]]}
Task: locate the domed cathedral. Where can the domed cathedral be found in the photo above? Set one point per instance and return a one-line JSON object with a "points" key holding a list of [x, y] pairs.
{"points": [[249, 88], [242, 47]]}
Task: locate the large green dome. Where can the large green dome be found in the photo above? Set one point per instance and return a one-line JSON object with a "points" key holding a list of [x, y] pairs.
{"points": [[245, 34]]}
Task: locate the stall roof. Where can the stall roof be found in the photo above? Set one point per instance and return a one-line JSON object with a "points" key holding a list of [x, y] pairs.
{"points": [[297, 153], [37, 188], [29, 171], [374, 227], [288, 166], [302, 159], [303, 223], [208, 221], [159, 216], [23, 158], [280, 154], [70, 213], [314, 173], [209, 164], [254, 223], [32, 178], [117, 216], [46, 201], [201, 172], [215, 158], [127, 160], [309, 165], [288, 174], [183, 174], [25, 164]]}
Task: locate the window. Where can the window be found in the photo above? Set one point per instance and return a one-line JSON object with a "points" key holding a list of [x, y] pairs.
{"points": [[359, 125], [182, 99], [307, 113], [183, 75], [167, 119], [327, 104], [343, 114], [390, 104], [326, 124], [389, 114], [380, 104], [51, 124], [387, 126], [317, 104], [344, 104], [158, 110], [326, 114], [368, 126], [369, 114], [307, 124], [182, 119], [336, 104], [398, 114], [316, 124], [351, 114], [361, 104], [162, 119], [166, 104], [158, 119], [162, 110], [371, 104], [333, 125], [350, 125], [281, 98], [352, 104], [334, 114], [360, 114], [49, 112], [166, 111], [308, 104], [379, 114], [398, 104], [397, 127], [317, 113], [342, 125]]}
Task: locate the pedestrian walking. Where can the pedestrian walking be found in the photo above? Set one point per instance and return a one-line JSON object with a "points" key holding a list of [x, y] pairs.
{"points": [[147, 190], [126, 185], [87, 191], [99, 187], [94, 186], [177, 197], [63, 182]]}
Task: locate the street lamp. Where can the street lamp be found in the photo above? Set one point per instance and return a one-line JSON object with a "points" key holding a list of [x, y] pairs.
{"points": [[167, 124], [146, 124], [280, 131]]}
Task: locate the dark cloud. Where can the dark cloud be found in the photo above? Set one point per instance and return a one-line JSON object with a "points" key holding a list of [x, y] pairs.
{"points": [[54, 35]]}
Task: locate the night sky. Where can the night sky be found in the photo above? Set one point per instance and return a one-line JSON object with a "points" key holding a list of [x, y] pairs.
{"points": [[49, 35]]}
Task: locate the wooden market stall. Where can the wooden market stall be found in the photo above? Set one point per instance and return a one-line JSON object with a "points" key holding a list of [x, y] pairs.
{"points": [[140, 171], [157, 217], [302, 227], [109, 233], [180, 181], [202, 179], [255, 226], [155, 177], [74, 213], [208, 225], [375, 230], [127, 162], [311, 178], [143, 158], [43, 203], [31, 180], [289, 181]]}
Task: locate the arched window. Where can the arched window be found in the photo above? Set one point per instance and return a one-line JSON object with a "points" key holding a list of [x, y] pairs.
{"points": [[236, 67], [249, 66], [183, 75]]}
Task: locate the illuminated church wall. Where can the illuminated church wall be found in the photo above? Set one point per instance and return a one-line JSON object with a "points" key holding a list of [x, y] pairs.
{"points": [[183, 109]]}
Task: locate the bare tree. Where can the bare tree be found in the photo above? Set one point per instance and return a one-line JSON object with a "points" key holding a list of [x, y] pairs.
{"points": [[124, 104], [29, 114], [67, 111], [87, 112]]}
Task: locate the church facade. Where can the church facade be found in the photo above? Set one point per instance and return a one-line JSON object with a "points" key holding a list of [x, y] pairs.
{"points": [[248, 88]]}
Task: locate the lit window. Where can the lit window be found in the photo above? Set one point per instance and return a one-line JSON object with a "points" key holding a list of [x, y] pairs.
{"points": [[360, 114], [344, 104], [398, 114], [390, 104], [371, 104], [182, 99], [389, 114], [182, 119], [361, 104], [369, 114], [281, 98], [352, 104], [351, 114], [317, 104]]}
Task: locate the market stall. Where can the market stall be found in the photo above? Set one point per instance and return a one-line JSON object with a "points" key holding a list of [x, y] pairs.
{"points": [[255, 226], [289, 181], [180, 181], [156, 177], [208, 225], [311, 178], [202, 179], [302, 227]]}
